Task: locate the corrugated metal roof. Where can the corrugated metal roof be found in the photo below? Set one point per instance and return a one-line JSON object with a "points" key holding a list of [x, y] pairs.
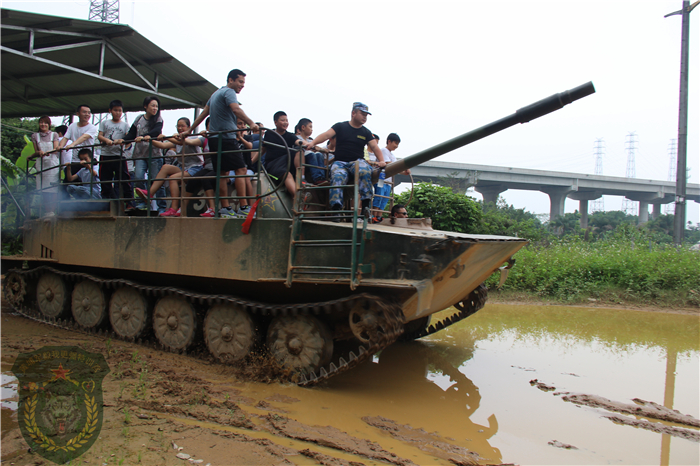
{"points": [[51, 64]]}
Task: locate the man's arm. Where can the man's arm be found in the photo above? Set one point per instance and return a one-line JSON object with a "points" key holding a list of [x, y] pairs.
{"points": [[377, 152], [80, 140], [197, 121], [238, 111], [321, 138]]}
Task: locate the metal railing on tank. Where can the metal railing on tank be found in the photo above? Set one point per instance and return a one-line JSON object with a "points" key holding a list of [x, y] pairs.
{"points": [[66, 203]]}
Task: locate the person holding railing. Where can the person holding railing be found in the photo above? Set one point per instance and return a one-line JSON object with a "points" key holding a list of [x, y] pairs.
{"points": [[314, 156], [146, 127], [45, 144], [82, 133], [276, 160], [225, 111], [191, 149], [351, 138], [90, 187], [113, 168], [382, 193]]}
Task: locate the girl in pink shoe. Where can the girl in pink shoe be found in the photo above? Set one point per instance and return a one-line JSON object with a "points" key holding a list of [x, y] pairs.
{"points": [[191, 150]]}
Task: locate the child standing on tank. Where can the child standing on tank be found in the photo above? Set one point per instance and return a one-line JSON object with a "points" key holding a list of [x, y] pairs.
{"points": [[113, 167]]}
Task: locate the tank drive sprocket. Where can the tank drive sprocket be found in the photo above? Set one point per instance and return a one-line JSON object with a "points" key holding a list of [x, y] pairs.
{"points": [[466, 307]]}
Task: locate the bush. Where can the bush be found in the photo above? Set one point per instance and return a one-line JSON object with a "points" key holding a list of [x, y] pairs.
{"points": [[626, 265]]}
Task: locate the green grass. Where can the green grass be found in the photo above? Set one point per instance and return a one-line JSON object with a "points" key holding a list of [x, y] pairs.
{"points": [[617, 270]]}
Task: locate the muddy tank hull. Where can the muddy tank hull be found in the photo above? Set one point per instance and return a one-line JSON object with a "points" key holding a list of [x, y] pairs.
{"points": [[424, 270]]}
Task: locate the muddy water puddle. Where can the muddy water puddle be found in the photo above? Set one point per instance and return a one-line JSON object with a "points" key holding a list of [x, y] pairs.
{"points": [[491, 389], [470, 386]]}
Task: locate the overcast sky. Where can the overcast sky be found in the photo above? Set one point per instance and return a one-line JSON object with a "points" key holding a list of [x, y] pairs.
{"points": [[430, 71]]}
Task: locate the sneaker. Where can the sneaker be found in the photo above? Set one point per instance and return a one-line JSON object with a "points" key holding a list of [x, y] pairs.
{"points": [[243, 212], [209, 213], [170, 213], [322, 182], [227, 212], [141, 193], [141, 206]]}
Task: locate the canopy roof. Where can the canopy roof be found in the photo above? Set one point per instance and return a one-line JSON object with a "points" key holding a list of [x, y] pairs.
{"points": [[51, 64]]}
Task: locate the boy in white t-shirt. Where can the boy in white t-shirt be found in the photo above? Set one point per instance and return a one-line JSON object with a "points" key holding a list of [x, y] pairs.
{"points": [[382, 193]]}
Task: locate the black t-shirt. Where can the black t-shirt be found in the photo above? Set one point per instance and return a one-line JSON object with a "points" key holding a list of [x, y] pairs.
{"points": [[350, 142], [272, 153]]}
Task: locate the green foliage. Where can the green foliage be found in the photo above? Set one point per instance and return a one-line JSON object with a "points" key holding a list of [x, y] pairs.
{"points": [[503, 219], [448, 211], [567, 224], [626, 263], [12, 137]]}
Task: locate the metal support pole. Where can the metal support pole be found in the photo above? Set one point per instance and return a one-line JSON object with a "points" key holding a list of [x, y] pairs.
{"points": [[681, 176]]}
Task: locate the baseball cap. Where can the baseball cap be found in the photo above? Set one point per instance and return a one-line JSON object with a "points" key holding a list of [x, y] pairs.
{"points": [[361, 107]]}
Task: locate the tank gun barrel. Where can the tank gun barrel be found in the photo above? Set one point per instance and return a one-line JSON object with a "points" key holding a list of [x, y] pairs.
{"points": [[525, 114]]}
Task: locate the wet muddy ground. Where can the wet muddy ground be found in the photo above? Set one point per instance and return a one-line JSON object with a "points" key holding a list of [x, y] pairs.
{"points": [[512, 384]]}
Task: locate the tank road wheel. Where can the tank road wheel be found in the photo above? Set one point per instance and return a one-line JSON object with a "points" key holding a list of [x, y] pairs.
{"points": [[174, 323], [228, 332], [364, 321], [15, 288], [89, 304], [128, 313], [52, 296], [301, 343]]}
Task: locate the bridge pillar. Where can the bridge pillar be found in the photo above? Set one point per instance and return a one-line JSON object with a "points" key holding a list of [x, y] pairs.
{"points": [[583, 197], [583, 210], [655, 211], [490, 193], [643, 212], [557, 198]]}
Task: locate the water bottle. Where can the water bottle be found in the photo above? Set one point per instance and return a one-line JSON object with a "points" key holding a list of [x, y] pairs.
{"points": [[380, 183]]}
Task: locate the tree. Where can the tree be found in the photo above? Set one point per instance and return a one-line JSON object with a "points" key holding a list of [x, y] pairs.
{"points": [[502, 219], [13, 132], [458, 184], [567, 224], [448, 211]]}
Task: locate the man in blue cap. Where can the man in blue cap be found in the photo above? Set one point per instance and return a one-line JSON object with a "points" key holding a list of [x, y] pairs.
{"points": [[351, 138]]}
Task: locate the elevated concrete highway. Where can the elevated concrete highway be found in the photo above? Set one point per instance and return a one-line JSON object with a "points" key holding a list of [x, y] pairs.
{"points": [[491, 181]]}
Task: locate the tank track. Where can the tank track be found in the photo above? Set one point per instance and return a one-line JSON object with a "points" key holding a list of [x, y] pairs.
{"points": [[474, 302], [390, 316]]}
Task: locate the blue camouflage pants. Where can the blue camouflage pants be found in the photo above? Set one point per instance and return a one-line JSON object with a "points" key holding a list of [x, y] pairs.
{"points": [[344, 172]]}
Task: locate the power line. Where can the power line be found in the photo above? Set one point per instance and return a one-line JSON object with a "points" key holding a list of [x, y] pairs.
{"points": [[106, 11], [672, 151], [629, 207], [598, 205]]}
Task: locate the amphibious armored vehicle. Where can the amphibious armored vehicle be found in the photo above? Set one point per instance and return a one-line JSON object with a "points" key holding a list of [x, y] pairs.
{"points": [[320, 296]]}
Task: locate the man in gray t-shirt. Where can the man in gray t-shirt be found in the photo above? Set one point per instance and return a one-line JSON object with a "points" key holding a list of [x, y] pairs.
{"points": [[222, 117], [224, 109]]}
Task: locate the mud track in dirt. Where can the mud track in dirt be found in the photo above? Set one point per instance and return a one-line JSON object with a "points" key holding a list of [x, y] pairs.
{"points": [[158, 405]]}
